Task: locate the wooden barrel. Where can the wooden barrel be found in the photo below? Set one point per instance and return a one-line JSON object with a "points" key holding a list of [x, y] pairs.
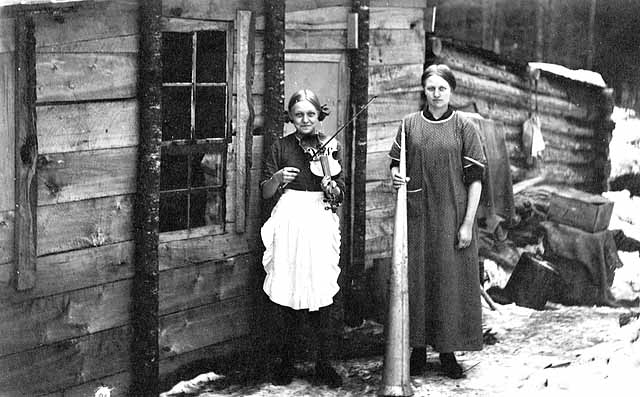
{"points": [[532, 282]]}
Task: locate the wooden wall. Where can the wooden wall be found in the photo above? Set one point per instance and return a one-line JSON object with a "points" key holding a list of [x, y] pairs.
{"points": [[72, 332], [396, 61]]}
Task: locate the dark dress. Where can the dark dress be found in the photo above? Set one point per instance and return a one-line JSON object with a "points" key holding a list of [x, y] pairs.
{"points": [[444, 288]]}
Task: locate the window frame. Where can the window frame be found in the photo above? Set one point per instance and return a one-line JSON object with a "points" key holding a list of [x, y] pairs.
{"points": [[191, 26]]}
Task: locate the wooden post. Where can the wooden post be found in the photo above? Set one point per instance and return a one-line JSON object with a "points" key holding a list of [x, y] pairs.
{"points": [[273, 80], [26, 146], [359, 90], [144, 348], [244, 113]]}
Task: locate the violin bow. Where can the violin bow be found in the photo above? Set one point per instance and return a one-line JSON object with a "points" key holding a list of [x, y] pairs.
{"points": [[342, 127]]}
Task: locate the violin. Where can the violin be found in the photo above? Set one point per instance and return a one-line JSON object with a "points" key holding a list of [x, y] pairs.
{"points": [[323, 163]]}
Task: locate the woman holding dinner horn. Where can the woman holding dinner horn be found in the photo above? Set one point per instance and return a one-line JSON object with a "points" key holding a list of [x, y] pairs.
{"points": [[445, 164]]}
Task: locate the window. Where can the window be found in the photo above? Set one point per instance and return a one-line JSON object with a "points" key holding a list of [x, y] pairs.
{"points": [[195, 128]]}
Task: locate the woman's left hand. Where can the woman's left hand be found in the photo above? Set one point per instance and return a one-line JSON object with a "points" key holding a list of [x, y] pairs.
{"points": [[330, 186], [465, 234]]}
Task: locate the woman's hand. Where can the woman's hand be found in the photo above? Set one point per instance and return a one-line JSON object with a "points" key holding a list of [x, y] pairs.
{"points": [[465, 234], [329, 186], [396, 179], [286, 175]]}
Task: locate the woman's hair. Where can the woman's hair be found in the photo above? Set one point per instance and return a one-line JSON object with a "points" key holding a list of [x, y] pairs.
{"points": [[440, 70], [311, 97]]}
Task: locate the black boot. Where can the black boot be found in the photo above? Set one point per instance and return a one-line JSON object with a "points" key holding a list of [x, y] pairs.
{"points": [[450, 366], [326, 375], [283, 374], [283, 371], [418, 361]]}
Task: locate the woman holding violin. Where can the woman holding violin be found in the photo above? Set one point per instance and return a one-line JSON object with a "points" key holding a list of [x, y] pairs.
{"points": [[302, 235]]}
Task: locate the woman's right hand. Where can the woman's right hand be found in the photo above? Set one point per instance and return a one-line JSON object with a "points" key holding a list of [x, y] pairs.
{"points": [[286, 175], [396, 179]]}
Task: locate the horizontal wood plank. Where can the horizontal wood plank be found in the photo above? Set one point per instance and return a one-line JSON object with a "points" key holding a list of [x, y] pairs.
{"points": [[326, 18], [112, 19], [59, 273], [87, 126], [396, 47], [205, 325], [66, 364], [64, 177], [82, 224], [206, 283], [59, 317], [222, 10], [389, 17], [182, 253], [118, 386], [85, 77]]}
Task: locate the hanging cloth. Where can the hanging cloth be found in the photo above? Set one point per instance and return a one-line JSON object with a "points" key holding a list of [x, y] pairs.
{"points": [[532, 140]]}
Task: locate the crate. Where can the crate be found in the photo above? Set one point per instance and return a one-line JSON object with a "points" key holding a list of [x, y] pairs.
{"points": [[586, 211]]}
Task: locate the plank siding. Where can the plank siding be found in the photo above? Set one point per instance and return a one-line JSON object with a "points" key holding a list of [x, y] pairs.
{"points": [[87, 126], [6, 237], [85, 77], [84, 224]]}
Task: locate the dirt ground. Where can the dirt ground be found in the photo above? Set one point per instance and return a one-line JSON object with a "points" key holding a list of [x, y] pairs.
{"points": [[559, 351]]}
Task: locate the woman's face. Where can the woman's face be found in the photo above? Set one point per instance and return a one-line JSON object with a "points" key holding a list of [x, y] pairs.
{"points": [[438, 92], [304, 116]]}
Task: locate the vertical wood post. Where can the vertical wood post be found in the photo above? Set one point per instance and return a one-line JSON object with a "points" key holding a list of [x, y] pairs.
{"points": [[273, 80], [244, 113], [356, 200], [26, 146], [145, 357]]}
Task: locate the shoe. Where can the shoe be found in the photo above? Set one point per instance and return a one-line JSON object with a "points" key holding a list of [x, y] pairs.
{"points": [[325, 374], [283, 374], [418, 361], [450, 366]]}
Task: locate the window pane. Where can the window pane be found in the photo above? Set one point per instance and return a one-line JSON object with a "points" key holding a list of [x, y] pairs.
{"points": [[211, 57], [211, 112], [207, 208], [207, 170], [176, 113], [177, 49], [173, 171], [173, 211]]}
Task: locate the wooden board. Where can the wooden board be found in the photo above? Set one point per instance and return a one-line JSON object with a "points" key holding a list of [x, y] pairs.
{"points": [[65, 364], [223, 10], [6, 237], [87, 126], [117, 384], [7, 126], [389, 79], [181, 253], [72, 270], [112, 19], [83, 224], [396, 47], [51, 319], [85, 77], [205, 325], [326, 18], [7, 30], [207, 282], [73, 176], [405, 18]]}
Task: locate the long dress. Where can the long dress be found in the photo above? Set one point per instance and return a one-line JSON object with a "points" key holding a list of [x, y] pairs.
{"points": [[444, 288]]}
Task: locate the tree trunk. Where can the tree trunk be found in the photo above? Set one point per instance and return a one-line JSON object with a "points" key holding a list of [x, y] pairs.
{"points": [[145, 355]]}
